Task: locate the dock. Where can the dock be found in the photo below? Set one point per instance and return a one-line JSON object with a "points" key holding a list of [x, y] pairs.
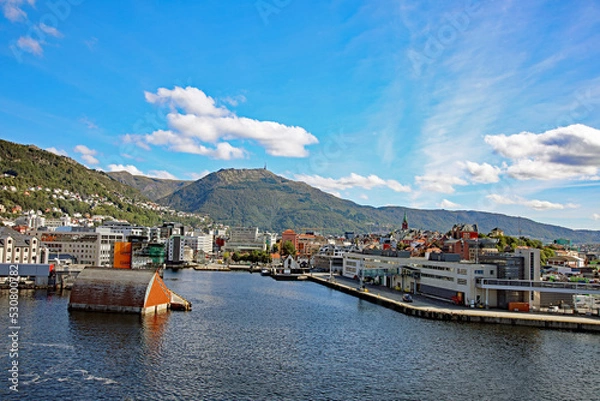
{"points": [[393, 300], [179, 303]]}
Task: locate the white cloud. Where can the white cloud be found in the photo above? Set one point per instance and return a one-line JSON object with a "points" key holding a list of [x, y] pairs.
{"points": [[439, 183], [364, 196], [197, 176], [532, 204], [90, 124], [446, 204], [131, 169], [201, 122], [26, 43], [596, 216], [84, 150], [59, 152], [50, 30], [481, 173], [162, 174], [234, 100], [87, 154], [89, 159], [353, 180], [138, 140], [12, 9], [562, 153]]}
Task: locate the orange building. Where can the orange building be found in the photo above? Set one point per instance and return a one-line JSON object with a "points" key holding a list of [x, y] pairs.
{"points": [[122, 258], [290, 235]]}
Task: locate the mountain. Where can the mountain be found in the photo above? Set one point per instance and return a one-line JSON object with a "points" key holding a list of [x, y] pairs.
{"points": [[153, 188], [260, 198]]}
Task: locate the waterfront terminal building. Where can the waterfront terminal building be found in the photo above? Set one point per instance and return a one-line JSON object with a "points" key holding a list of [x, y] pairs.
{"points": [[446, 277]]}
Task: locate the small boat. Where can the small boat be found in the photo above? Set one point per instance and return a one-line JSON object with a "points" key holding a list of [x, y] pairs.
{"points": [[265, 272]]}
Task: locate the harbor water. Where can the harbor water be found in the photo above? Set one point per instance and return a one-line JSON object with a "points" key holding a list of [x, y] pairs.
{"points": [[250, 337]]}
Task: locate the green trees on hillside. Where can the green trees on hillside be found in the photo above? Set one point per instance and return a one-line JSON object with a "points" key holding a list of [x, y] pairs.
{"points": [[507, 243]]}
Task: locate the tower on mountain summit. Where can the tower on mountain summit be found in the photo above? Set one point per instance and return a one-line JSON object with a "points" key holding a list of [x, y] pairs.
{"points": [[405, 222]]}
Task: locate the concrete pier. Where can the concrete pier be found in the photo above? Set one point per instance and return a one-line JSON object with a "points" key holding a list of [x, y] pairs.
{"points": [[393, 300]]}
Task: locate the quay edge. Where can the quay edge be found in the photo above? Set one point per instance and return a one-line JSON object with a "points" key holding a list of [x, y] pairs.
{"points": [[580, 324]]}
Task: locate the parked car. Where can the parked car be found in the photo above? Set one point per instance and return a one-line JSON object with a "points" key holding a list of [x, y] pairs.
{"points": [[407, 298]]}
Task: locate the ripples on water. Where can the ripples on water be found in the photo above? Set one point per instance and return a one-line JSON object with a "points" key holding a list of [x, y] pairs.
{"points": [[253, 338]]}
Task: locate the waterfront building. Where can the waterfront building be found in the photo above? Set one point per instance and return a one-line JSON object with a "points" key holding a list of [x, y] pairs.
{"points": [[331, 257], [200, 243], [90, 247], [38, 275], [244, 239], [523, 264], [21, 248], [176, 249], [446, 277]]}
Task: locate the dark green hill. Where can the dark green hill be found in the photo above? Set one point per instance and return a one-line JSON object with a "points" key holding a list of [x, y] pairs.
{"points": [[28, 167], [260, 198], [153, 188]]}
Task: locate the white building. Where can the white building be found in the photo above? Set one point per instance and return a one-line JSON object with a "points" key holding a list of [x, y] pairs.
{"points": [[20, 248], [448, 278], [244, 239], [126, 229], [199, 243], [89, 247]]}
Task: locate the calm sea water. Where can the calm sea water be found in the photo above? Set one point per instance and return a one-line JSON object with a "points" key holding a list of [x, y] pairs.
{"points": [[253, 338]]}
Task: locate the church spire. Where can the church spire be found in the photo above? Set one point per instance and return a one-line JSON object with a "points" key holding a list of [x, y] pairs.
{"points": [[405, 222]]}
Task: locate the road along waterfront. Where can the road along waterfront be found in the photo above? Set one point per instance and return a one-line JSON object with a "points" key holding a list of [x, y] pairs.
{"points": [[250, 337], [430, 309]]}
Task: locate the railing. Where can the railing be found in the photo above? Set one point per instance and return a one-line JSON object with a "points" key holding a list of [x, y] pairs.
{"points": [[538, 285]]}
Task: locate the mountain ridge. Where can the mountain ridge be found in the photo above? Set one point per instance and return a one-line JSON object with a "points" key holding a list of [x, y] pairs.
{"points": [[247, 197], [258, 197], [153, 188]]}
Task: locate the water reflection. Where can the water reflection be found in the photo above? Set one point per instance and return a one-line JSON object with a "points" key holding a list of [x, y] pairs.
{"points": [[251, 337]]}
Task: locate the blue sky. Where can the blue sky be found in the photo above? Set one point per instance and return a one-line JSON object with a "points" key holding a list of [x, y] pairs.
{"points": [[476, 105]]}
